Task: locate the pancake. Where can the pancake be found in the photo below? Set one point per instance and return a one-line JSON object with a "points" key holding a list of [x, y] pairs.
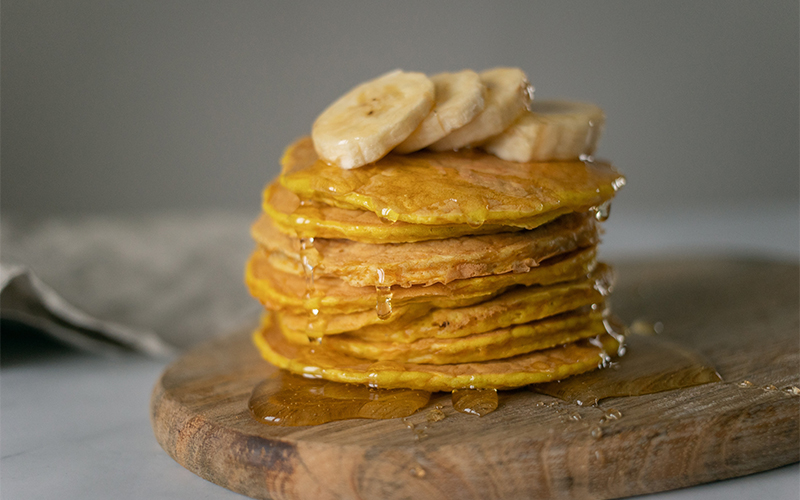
{"points": [[486, 346], [281, 290], [535, 367], [516, 306], [311, 219], [431, 261], [462, 187], [327, 323]]}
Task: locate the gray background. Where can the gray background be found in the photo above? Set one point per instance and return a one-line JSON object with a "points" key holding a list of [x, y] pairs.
{"points": [[136, 107], [145, 106]]}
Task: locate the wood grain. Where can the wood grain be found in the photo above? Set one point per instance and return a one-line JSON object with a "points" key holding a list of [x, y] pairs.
{"points": [[742, 315]]}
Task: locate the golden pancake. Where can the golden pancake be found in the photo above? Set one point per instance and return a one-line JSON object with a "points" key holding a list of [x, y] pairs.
{"points": [[431, 261], [486, 346], [311, 219], [281, 290], [516, 306], [463, 187], [535, 367], [325, 323]]}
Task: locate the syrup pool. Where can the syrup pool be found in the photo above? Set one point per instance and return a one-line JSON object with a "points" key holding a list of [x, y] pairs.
{"points": [[653, 365], [291, 400]]}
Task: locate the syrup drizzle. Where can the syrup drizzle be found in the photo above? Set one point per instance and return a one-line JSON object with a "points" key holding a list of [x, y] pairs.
{"points": [[306, 244], [383, 305], [312, 301]]}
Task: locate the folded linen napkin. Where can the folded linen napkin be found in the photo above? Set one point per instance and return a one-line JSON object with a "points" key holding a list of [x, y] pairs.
{"points": [[154, 284]]}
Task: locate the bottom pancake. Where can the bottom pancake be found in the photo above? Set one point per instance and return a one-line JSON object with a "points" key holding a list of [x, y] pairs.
{"points": [[539, 366]]}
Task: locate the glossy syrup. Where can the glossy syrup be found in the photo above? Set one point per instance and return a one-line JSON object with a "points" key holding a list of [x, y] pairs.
{"points": [[478, 402], [312, 300], [653, 365], [290, 400], [602, 212], [383, 304]]}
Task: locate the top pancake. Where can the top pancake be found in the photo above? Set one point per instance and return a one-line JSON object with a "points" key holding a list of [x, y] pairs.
{"points": [[464, 187]]}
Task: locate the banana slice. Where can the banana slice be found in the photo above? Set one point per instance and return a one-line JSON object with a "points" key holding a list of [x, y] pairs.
{"points": [[551, 130], [508, 94], [363, 125], [459, 97]]}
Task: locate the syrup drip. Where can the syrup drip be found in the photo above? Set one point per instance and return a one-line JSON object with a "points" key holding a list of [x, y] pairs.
{"points": [[290, 400], [479, 221], [383, 306], [602, 212], [475, 401], [656, 365], [605, 359], [315, 322], [604, 286], [615, 329], [306, 244]]}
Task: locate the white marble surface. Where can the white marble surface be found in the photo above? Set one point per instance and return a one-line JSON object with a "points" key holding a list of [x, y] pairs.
{"points": [[76, 426]]}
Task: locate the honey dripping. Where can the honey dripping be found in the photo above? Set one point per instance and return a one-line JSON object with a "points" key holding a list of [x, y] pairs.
{"points": [[602, 212], [655, 365], [316, 323], [290, 400], [306, 244], [383, 304]]}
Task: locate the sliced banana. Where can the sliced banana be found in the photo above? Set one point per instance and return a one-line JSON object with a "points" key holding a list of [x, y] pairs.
{"points": [[551, 130], [366, 123], [459, 97], [508, 94]]}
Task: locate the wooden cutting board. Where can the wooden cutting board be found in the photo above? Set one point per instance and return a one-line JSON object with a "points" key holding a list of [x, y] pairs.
{"points": [[743, 315]]}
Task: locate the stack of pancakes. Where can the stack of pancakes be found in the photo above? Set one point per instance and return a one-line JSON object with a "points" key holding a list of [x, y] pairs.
{"points": [[434, 270]]}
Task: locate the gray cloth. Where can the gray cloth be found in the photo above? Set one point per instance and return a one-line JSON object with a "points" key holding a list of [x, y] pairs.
{"points": [[154, 284]]}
